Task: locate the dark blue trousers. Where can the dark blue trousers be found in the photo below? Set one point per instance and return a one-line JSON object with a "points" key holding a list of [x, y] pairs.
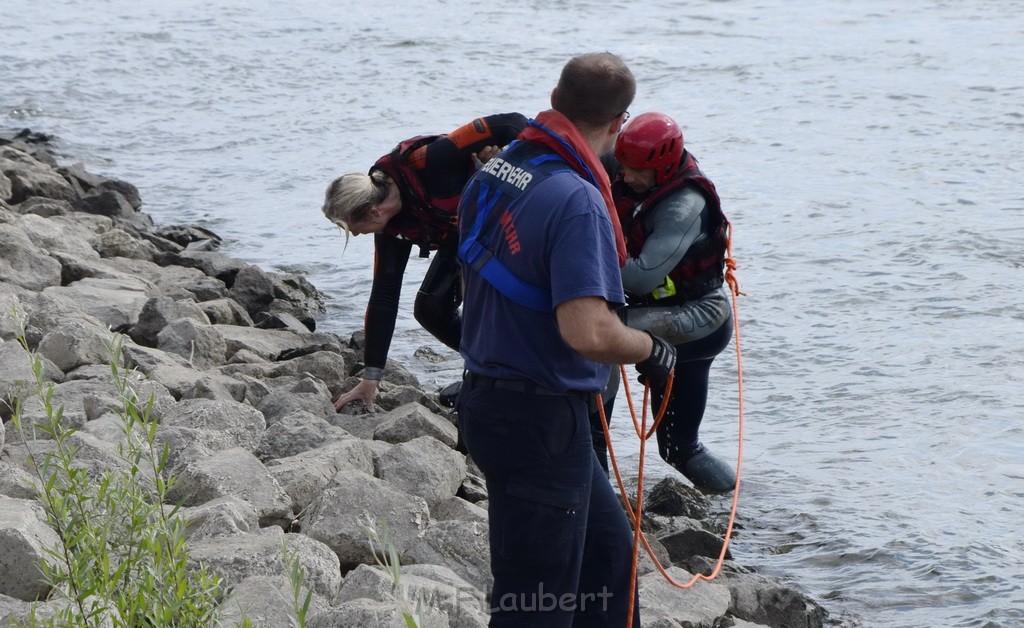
{"points": [[560, 542]]}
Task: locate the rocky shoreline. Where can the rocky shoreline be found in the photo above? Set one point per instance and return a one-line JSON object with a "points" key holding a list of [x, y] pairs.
{"points": [[242, 387]]}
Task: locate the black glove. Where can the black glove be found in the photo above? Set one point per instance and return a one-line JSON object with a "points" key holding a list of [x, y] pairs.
{"points": [[657, 367]]}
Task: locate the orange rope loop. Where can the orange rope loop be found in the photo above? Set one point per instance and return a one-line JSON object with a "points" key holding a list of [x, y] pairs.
{"points": [[635, 511]]}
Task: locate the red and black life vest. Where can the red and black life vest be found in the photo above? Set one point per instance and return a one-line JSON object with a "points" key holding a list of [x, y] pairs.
{"points": [[428, 221], [702, 267]]}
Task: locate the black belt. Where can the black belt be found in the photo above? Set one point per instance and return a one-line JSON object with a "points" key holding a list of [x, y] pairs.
{"points": [[519, 385]]}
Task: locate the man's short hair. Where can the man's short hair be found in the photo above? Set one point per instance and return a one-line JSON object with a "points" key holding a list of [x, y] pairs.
{"points": [[594, 88]]}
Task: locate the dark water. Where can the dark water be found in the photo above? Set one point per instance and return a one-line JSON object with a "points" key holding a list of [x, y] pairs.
{"points": [[868, 153]]}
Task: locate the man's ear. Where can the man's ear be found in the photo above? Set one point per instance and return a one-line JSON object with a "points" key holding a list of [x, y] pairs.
{"points": [[553, 92]]}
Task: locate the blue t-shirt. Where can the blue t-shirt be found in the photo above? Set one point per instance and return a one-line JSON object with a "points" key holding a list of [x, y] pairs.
{"points": [[558, 237]]}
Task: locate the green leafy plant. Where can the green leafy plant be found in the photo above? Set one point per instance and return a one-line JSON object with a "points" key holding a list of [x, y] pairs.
{"points": [[122, 558]]}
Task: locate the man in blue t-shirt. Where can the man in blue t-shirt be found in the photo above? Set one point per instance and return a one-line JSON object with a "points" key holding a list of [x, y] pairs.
{"points": [[538, 238]]}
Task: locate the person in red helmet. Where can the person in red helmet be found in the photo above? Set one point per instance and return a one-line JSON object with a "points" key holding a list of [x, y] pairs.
{"points": [[673, 278]]}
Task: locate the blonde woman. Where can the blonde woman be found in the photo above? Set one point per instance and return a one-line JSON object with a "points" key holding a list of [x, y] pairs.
{"points": [[408, 199]]}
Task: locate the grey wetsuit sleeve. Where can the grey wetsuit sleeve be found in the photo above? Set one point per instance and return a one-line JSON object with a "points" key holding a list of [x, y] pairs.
{"points": [[673, 224]]}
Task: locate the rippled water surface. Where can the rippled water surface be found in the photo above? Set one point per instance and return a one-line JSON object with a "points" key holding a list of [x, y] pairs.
{"points": [[869, 154]]}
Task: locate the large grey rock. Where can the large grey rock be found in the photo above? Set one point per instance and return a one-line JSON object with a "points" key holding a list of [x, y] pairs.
{"points": [[281, 403], [226, 312], [30, 177], [221, 424], [458, 509], [211, 263], [266, 343], [454, 597], [266, 601], [703, 604], [80, 401], [395, 396], [307, 475], [320, 566], [24, 539], [423, 466], [115, 303], [217, 386], [58, 236], [413, 420], [263, 552], [234, 472], [76, 342], [235, 558], [160, 311], [462, 546], [120, 243], [252, 289], [174, 282], [224, 516], [201, 345], [24, 264], [17, 380], [340, 515], [295, 433], [691, 539], [94, 456], [765, 601], [45, 207]]}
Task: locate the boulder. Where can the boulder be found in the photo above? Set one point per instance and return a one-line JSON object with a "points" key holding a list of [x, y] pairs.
{"points": [[765, 601], [412, 421], [281, 403], [342, 514], [295, 433], [201, 345], [425, 467], [76, 342], [226, 312], [234, 472], [252, 289], [158, 312], [462, 603], [115, 303], [24, 540], [307, 475], [703, 604], [224, 516], [24, 264], [463, 546], [220, 424]]}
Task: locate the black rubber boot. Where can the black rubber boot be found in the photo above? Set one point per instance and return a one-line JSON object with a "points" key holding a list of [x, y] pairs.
{"points": [[449, 394], [708, 473]]}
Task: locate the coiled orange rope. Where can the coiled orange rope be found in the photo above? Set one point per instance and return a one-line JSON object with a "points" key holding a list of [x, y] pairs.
{"points": [[635, 511]]}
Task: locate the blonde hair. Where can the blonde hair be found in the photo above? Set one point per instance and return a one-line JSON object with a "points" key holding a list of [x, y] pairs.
{"points": [[351, 196]]}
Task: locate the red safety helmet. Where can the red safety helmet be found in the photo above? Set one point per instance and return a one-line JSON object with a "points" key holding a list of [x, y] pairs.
{"points": [[652, 141]]}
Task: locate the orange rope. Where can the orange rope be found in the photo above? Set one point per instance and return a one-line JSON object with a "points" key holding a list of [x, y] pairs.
{"points": [[635, 513]]}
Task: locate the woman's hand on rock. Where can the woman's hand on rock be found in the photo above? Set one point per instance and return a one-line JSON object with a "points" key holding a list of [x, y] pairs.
{"points": [[364, 391]]}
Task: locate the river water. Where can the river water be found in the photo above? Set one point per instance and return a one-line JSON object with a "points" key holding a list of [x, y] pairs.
{"points": [[869, 154]]}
